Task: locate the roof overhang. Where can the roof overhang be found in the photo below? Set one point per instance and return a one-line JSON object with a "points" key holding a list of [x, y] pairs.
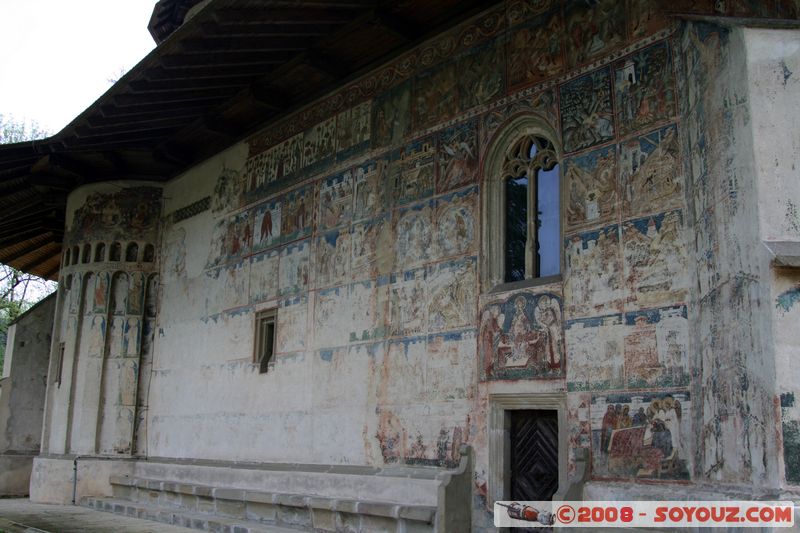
{"points": [[226, 72]]}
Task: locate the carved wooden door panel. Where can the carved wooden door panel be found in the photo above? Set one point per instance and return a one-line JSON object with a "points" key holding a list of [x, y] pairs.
{"points": [[534, 455]]}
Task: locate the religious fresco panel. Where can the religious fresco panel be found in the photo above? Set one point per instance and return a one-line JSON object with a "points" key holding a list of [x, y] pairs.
{"points": [[642, 435], [655, 259], [370, 182], [335, 203], [236, 281], [521, 338], [449, 370], [368, 302], [297, 213], [373, 248], [414, 235], [543, 103], [480, 75], [412, 170], [266, 225], [591, 185], [535, 50], [100, 288], [407, 303], [435, 95], [593, 276], [391, 116], [353, 130], [651, 173], [319, 144], [332, 258], [587, 116], [457, 156], [103, 214], [328, 320], [291, 325], [264, 276], [644, 88], [452, 298], [595, 353], [455, 225], [594, 29], [293, 268], [520, 11], [646, 17], [656, 347], [136, 293]]}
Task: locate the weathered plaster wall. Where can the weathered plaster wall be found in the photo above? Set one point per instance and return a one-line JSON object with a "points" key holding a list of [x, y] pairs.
{"points": [[773, 57], [359, 219], [22, 395]]}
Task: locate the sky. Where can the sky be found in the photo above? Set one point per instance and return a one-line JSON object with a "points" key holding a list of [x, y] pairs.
{"points": [[58, 55]]}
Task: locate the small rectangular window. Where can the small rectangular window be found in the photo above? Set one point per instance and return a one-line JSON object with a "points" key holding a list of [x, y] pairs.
{"points": [[60, 363], [265, 339]]}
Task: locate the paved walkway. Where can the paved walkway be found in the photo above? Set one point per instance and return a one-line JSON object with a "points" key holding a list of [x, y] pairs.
{"points": [[22, 516]]}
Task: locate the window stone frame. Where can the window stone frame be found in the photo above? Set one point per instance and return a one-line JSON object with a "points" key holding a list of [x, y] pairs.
{"points": [[493, 205]]}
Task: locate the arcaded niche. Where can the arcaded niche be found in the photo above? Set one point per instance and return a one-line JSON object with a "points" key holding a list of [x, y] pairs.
{"points": [[549, 251]]}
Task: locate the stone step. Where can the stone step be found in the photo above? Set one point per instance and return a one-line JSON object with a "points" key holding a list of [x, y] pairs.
{"points": [[183, 518]]}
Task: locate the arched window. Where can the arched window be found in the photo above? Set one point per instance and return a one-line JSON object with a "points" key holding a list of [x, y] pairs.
{"points": [[149, 253], [87, 253], [116, 252], [66, 257], [132, 253], [522, 204]]}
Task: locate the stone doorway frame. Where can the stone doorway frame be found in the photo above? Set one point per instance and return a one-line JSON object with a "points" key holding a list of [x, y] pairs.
{"points": [[500, 443]]}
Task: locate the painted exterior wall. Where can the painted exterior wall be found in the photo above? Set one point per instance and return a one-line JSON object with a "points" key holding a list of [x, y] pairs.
{"points": [[359, 218]]}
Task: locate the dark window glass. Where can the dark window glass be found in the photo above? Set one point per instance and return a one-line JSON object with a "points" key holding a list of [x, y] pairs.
{"points": [[516, 227]]}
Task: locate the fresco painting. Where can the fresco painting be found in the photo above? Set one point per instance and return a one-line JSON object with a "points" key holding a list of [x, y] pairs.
{"points": [[452, 295], [591, 185], [655, 260], [293, 268], [521, 10], [413, 234], [328, 330], [407, 309], [594, 29], [644, 88], [391, 116], [353, 130], [650, 172], [373, 248], [100, 286], [535, 50], [102, 215], [332, 258], [370, 188], [586, 111], [368, 301], [412, 170], [319, 143], [543, 103], [595, 353], [336, 200], [238, 236], [455, 223], [593, 273], [264, 276], [656, 347], [642, 436], [135, 293], [646, 17], [296, 213], [457, 156], [521, 338], [292, 325], [237, 278], [479, 77], [266, 225], [435, 95], [449, 372]]}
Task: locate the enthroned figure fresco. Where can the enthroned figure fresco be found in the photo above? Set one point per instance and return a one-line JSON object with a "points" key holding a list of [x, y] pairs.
{"points": [[522, 338]]}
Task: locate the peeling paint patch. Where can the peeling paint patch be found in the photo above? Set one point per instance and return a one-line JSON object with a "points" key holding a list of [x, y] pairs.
{"points": [[792, 216], [788, 299], [786, 73]]}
